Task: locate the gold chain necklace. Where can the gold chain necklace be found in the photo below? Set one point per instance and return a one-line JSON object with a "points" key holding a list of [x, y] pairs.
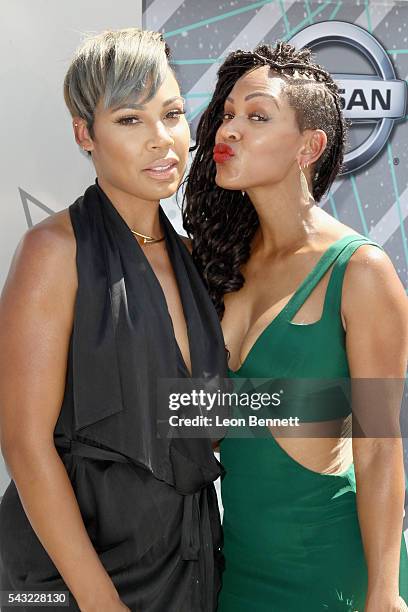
{"points": [[147, 239]]}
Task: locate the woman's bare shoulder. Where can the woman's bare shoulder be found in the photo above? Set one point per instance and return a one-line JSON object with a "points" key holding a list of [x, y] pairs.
{"points": [[53, 236], [57, 226], [46, 252], [369, 270], [336, 230], [367, 263]]}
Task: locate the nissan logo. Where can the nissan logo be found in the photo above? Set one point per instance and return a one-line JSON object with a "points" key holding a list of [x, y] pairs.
{"points": [[380, 99]]}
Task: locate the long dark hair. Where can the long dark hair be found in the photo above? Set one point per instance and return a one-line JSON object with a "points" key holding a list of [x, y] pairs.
{"points": [[222, 222]]}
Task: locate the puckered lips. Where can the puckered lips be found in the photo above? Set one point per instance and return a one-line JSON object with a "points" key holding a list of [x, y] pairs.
{"points": [[222, 153]]}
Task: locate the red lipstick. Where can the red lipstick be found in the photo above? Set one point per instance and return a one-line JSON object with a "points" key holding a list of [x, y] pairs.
{"points": [[222, 153]]}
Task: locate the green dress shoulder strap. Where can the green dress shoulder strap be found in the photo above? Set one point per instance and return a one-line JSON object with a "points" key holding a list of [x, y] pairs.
{"points": [[334, 289], [338, 254]]}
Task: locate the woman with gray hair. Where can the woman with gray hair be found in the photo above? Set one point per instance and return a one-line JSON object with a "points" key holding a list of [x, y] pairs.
{"points": [[101, 303]]}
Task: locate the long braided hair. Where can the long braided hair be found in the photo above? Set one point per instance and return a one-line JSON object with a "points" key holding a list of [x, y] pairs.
{"points": [[222, 222]]}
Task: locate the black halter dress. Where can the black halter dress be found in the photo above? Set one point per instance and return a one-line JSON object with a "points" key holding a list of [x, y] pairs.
{"points": [[148, 502]]}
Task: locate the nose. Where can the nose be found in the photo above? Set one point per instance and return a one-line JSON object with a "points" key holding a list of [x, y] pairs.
{"points": [[230, 130], [161, 137]]}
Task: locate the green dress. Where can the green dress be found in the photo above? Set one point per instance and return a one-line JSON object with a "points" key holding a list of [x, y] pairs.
{"points": [[292, 540]]}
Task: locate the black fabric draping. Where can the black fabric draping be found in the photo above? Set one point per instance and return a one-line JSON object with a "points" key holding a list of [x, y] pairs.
{"points": [[124, 342]]}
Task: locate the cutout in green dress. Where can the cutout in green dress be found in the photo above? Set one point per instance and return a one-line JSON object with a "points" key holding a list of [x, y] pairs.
{"points": [[292, 539]]}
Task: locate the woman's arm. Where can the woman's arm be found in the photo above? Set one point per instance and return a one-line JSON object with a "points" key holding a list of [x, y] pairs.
{"points": [[36, 318], [376, 318]]}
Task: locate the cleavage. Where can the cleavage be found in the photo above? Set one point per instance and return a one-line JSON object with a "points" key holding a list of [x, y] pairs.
{"points": [[257, 324]]}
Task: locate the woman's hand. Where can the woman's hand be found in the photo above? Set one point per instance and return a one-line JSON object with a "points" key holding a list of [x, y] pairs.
{"points": [[385, 603], [107, 604], [114, 607]]}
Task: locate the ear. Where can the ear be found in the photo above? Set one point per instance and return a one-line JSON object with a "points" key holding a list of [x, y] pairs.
{"points": [[314, 144], [82, 136]]}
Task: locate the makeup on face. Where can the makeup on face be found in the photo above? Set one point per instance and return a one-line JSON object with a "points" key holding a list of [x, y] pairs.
{"points": [[134, 119], [163, 169], [141, 147], [258, 138], [222, 153]]}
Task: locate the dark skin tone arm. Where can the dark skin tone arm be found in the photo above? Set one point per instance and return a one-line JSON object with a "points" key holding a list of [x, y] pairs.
{"points": [[376, 316], [36, 317]]}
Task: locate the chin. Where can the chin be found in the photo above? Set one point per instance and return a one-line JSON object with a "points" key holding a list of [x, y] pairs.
{"points": [[219, 182], [226, 185], [162, 191], [167, 191]]}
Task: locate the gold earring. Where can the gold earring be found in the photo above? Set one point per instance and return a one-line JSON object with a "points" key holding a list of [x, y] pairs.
{"points": [[304, 185]]}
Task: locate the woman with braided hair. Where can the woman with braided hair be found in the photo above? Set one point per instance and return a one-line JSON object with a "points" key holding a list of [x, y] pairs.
{"points": [[312, 518]]}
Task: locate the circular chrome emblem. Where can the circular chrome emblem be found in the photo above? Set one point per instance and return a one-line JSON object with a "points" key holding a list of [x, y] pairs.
{"points": [[380, 99]]}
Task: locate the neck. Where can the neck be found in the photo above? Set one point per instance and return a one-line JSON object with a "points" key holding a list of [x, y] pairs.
{"points": [[140, 215], [286, 219]]}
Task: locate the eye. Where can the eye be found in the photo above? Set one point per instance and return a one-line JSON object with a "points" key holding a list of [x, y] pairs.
{"points": [[130, 120], [258, 117], [175, 113]]}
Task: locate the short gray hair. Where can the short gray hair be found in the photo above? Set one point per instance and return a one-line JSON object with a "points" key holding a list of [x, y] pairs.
{"points": [[114, 67]]}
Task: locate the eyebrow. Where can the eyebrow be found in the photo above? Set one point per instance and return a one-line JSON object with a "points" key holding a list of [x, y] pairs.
{"points": [[138, 106], [255, 94]]}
